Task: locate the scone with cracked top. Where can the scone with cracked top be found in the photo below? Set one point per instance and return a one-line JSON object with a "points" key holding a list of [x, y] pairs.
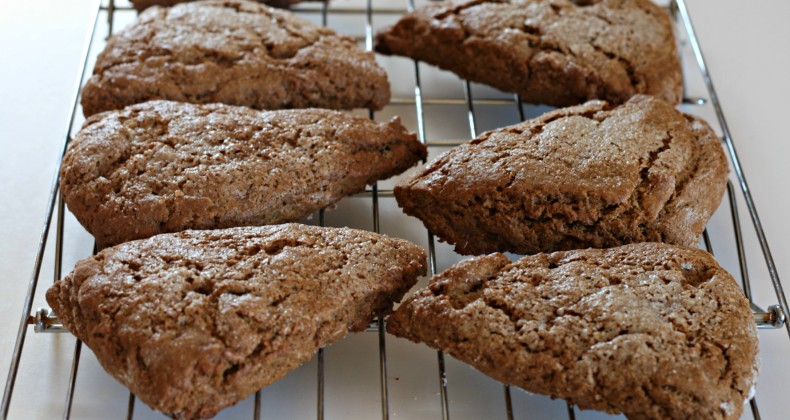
{"points": [[593, 175], [196, 321], [236, 52], [141, 5], [555, 52], [164, 166], [654, 331]]}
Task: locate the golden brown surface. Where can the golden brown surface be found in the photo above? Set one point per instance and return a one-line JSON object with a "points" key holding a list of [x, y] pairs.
{"points": [[556, 52], [196, 321], [593, 175], [650, 330], [165, 166], [234, 52]]}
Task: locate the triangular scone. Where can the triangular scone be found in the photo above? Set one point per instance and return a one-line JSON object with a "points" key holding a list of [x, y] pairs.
{"points": [[235, 52], [592, 175], [555, 52], [165, 166], [141, 5], [650, 330], [196, 321]]}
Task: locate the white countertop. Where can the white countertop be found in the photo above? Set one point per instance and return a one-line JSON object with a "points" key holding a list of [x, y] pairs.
{"points": [[746, 44]]}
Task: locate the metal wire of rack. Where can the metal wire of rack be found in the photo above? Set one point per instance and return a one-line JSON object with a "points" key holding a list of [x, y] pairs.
{"points": [[43, 320]]}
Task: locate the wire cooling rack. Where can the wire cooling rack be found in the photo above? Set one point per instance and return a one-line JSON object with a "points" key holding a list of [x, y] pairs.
{"points": [[366, 375]]}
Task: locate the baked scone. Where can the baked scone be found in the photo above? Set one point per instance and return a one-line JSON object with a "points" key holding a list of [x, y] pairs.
{"points": [[556, 52], [654, 331], [592, 175], [195, 321], [235, 52], [141, 5], [165, 166]]}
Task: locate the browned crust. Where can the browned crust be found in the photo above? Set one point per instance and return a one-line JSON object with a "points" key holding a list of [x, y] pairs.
{"points": [[650, 330], [195, 321], [165, 166], [553, 52], [141, 5], [235, 52], [586, 176]]}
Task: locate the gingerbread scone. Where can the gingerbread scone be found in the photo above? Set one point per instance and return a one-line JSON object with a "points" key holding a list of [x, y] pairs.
{"points": [[552, 52], [167, 166], [235, 52], [141, 5], [654, 331], [592, 175], [196, 321]]}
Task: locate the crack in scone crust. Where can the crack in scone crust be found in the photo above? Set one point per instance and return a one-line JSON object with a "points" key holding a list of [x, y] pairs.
{"points": [[650, 330], [196, 321], [593, 175], [556, 52], [234, 52], [165, 166]]}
